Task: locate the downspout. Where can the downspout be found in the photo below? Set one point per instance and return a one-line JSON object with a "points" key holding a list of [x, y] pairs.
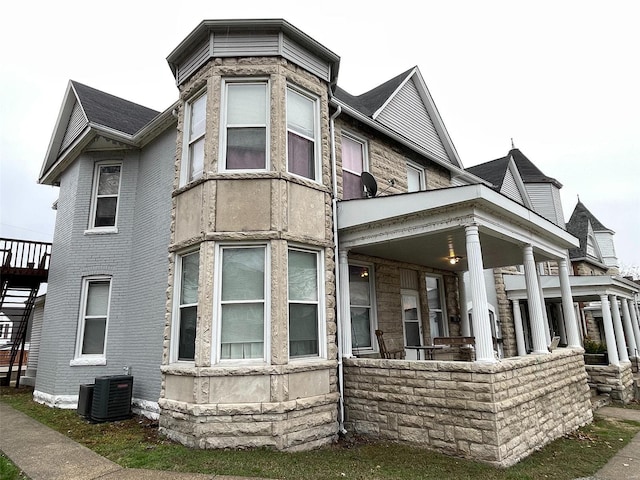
{"points": [[334, 207]]}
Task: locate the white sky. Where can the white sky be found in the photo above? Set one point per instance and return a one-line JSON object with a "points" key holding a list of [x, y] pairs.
{"points": [[562, 78]]}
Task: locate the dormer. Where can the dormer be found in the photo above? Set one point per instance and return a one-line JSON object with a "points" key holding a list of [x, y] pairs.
{"points": [[596, 240]]}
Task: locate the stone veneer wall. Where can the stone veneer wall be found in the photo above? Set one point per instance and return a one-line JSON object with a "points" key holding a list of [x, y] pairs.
{"points": [[497, 413], [612, 380]]}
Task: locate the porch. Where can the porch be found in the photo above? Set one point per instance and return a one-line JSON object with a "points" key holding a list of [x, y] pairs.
{"points": [[497, 413]]}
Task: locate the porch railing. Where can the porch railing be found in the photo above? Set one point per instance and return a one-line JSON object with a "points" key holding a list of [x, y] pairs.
{"points": [[25, 254]]}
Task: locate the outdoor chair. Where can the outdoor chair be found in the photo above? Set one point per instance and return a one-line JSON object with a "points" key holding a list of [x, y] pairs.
{"points": [[397, 353]]}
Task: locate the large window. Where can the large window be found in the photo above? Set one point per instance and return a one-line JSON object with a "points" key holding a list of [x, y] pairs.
{"points": [[245, 120], [302, 148], [415, 178], [353, 164], [106, 189], [304, 303], [194, 137], [186, 311], [435, 300], [242, 306], [94, 316], [361, 295]]}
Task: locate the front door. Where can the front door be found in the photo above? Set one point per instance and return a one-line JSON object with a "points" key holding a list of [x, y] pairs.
{"points": [[411, 321]]}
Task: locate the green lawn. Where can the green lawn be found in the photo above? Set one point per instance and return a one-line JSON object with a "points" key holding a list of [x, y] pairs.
{"points": [[8, 471], [136, 443]]}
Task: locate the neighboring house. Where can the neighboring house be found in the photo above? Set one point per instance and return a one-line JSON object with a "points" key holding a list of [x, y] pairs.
{"points": [[226, 253], [6, 329]]}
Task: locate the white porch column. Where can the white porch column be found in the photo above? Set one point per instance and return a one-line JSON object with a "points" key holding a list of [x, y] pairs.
{"points": [[464, 311], [547, 329], [562, 331], [536, 317], [623, 355], [517, 321], [479, 303], [628, 328], [345, 303], [634, 322], [570, 320], [609, 335]]}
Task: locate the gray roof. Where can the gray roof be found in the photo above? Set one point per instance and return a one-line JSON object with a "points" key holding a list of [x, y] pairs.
{"points": [[494, 171], [578, 226], [110, 111]]}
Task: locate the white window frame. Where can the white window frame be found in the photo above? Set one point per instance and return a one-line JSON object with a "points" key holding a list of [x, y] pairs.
{"points": [[419, 169], [177, 306], [185, 164], [91, 359], [317, 146], [373, 316], [443, 305], [222, 151], [217, 307], [321, 318], [365, 156], [94, 198]]}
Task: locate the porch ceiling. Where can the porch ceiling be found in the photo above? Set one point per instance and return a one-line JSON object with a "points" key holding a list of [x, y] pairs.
{"points": [[586, 288], [426, 228]]}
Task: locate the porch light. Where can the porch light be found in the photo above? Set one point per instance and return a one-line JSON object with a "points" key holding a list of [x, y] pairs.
{"points": [[453, 259]]}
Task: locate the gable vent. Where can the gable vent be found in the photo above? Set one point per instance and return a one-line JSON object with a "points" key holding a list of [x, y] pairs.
{"points": [[77, 122]]}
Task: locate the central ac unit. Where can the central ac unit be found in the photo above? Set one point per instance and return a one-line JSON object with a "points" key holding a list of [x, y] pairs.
{"points": [[112, 398]]}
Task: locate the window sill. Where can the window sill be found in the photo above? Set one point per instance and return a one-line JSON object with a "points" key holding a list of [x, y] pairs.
{"points": [[87, 362], [101, 231]]}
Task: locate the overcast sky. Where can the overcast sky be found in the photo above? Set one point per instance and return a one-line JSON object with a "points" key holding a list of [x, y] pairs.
{"points": [[562, 78]]}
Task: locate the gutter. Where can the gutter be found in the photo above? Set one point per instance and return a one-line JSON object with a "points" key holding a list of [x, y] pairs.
{"points": [[334, 207]]}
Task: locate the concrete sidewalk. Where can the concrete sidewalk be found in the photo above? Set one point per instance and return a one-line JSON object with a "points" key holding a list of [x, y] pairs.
{"points": [[43, 454]]}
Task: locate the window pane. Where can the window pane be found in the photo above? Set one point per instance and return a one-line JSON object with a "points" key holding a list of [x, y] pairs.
{"points": [[187, 333], [242, 334], [351, 186], [97, 298], [433, 293], [243, 274], [303, 276], [360, 328], [359, 289], [410, 307], [413, 180], [246, 104], [109, 180], [196, 159], [246, 148], [301, 156], [437, 326], [352, 155], [300, 113], [106, 211], [198, 117], [189, 287], [303, 330], [412, 332], [93, 341]]}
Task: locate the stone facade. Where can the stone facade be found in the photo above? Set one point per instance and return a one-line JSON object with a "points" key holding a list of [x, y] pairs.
{"points": [[612, 380], [496, 413]]}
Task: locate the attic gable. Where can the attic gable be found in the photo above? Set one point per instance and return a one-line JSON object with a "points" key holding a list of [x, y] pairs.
{"points": [[404, 105], [583, 226]]}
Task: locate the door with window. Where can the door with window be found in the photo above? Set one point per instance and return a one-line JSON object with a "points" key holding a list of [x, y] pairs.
{"points": [[412, 322]]}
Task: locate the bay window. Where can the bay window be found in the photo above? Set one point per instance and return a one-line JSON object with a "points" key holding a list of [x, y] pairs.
{"points": [[195, 128], [304, 303], [302, 134], [106, 191], [94, 316], [186, 310]]}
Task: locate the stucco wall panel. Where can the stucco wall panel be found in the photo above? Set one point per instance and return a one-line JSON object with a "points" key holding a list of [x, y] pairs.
{"points": [[243, 205]]}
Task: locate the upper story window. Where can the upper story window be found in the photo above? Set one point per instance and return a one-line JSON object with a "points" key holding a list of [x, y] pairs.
{"points": [[302, 134], [194, 138], [354, 162], [94, 316], [186, 306], [415, 178], [242, 305], [245, 120], [106, 190], [305, 327]]}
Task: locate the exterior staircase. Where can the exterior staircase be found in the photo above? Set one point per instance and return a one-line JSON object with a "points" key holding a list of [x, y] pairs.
{"points": [[24, 267]]}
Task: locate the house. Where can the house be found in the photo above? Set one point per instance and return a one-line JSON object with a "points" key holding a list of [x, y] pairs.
{"points": [[237, 252]]}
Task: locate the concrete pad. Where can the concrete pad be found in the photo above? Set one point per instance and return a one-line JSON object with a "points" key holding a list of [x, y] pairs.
{"points": [[621, 413]]}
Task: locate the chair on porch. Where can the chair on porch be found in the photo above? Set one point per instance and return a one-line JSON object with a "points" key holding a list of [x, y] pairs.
{"points": [[397, 353]]}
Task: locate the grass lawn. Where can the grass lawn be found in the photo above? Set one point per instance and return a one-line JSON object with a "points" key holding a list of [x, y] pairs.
{"points": [[8, 471], [136, 443]]}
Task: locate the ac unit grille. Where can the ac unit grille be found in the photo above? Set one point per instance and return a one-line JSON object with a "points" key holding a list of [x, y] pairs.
{"points": [[112, 398]]}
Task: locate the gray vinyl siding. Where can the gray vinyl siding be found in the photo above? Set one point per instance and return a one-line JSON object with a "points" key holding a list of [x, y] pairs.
{"points": [[251, 45], [407, 115], [545, 201], [77, 122], [136, 260], [36, 334], [510, 188]]}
